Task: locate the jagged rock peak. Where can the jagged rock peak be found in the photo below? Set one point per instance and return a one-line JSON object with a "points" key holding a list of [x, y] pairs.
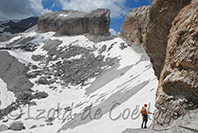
{"points": [[70, 22]]}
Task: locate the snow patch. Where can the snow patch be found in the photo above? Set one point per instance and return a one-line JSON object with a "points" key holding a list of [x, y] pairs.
{"points": [[6, 97]]}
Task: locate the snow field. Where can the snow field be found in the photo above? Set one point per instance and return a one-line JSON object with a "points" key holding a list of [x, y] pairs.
{"points": [[131, 74]]}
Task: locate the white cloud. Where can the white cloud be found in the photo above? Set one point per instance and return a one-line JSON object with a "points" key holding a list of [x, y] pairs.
{"points": [[17, 9], [117, 7], [113, 32]]}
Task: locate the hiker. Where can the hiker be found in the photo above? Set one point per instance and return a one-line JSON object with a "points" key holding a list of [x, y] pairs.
{"points": [[144, 113]]}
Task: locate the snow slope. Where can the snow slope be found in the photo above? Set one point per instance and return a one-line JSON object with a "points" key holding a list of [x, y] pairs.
{"points": [[118, 91]]}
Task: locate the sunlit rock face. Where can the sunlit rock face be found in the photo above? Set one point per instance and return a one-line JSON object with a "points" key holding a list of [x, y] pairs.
{"points": [[71, 22], [178, 85], [168, 31], [134, 26]]}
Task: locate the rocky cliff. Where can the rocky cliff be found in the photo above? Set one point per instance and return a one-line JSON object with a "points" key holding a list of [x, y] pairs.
{"points": [[71, 22], [134, 26], [171, 41], [178, 85], [149, 26], [161, 16]]}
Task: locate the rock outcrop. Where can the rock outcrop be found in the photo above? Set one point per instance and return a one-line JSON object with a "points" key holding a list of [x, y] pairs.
{"points": [[17, 126], [71, 22], [178, 85], [134, 26], [3, 127], [161, 16], [171, 41], [149, 26]]}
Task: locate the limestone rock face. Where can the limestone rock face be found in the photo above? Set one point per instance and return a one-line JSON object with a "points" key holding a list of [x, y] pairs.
{"points": [[71, 22], [149, 26], [169, 33], [161, 16], [134, 26], [178, 85]]}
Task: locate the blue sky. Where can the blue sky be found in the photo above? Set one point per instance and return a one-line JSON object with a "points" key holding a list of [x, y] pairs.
{"points": [[18, 9]]}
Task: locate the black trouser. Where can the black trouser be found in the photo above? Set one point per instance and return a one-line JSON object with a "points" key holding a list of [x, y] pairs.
{"points": [[145, 119]]}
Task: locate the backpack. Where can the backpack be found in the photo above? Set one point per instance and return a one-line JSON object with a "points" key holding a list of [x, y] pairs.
{"points": [[143, 111]]}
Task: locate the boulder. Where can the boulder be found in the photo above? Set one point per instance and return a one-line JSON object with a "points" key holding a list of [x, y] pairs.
{"points": [[17, 126], [70, 22], [39, 95], [43, 80], [3, 127]]}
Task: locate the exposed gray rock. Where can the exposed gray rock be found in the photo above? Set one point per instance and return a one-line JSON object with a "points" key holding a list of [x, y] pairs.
{"points": [[17, 126], [13, 74], [122, 46], [34, 67], [135, 24], [51, 46], [71, 22], [39, 95], [70, 71], [33, 126], [37, 57], [3, 127], [102, 49], [13, 106], [5, 38], [23, 96], [22, 43], [43, 80]]}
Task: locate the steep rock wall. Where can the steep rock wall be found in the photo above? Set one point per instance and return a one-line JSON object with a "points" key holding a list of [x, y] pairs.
{"points": [[149, 26], [161, 15], [178, 85], [71, 22], [171, 41], [134, 26]]}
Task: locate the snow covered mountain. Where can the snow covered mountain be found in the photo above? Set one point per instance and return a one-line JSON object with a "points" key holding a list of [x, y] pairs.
{"points": [[73, 84]]}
